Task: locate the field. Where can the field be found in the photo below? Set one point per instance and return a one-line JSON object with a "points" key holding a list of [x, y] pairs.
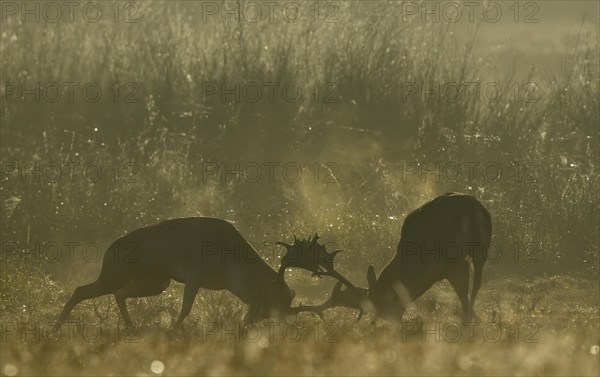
{"points": [[539, 326], [340, 122]]}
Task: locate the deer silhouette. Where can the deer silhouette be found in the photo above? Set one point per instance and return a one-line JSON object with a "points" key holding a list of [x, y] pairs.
{"points": [[200, 252]]}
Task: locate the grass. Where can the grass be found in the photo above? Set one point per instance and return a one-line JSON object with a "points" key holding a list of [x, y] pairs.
{"points": [[527, 327], [359, 140]]}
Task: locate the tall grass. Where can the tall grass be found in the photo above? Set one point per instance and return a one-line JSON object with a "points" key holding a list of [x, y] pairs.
{"points": [[369, 130]]}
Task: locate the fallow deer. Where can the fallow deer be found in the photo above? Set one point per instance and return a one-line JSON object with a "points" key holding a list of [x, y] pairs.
{"points": [[439, 240], [200, 252]]}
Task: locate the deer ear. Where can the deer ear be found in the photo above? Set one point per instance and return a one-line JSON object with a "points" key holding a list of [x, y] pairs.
{"points": [[371, 278]]}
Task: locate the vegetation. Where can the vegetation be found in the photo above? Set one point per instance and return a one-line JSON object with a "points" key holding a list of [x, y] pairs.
{"points": [[163, 144]]}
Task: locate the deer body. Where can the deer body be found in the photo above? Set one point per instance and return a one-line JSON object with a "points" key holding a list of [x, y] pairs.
{"points": [[438, 241], [200, 252]]}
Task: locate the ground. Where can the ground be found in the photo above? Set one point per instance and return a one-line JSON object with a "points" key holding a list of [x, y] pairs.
{"points": [[538, 326]]}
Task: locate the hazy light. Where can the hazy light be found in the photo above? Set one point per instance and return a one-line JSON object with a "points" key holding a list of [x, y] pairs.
{"points": [[12, 370], [157, 367]]}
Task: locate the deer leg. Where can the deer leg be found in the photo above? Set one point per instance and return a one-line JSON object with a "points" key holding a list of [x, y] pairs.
{"points": [[95, 289], [189, 294], [477, 272], [460, 282], [360, 314], [140, 288]]}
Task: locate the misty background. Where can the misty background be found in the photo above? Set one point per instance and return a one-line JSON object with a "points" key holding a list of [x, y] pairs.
{"points": [[360, 137]]}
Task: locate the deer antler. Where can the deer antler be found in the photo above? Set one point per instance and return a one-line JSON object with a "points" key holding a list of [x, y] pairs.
{"points": [[312, 256], [336, 294], [314, 240], [307, 254], [307, 308], [346, 298]]}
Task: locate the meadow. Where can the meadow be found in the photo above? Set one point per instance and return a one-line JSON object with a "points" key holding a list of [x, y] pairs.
{"points": [[340, 123]]}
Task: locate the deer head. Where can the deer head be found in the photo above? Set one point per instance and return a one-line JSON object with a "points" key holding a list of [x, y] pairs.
{"points": [[274, 301], [386, 295]]}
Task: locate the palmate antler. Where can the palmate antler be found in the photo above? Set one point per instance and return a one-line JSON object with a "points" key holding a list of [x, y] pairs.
{"points": [[308, 254], [339, 297], [312, 256]]}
